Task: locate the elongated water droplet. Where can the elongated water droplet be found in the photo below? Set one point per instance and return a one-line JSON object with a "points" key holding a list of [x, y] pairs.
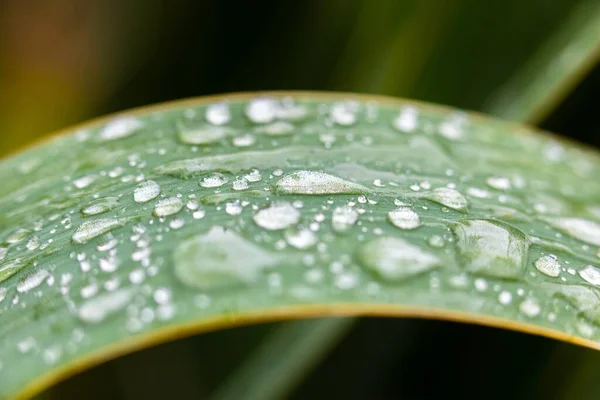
{"points": [[91, 229], [493, 249], [315, 182], [3, 252], [343, 218], [261, 110], [32, 280], [202, 135], [146, 191], [120, 127], [586, 299], [590, 274], [447, 197], [300, 237], [220, 258], [498, 182], [168, 206], [582, 229], [97, 309], [276, 128], [100, 206], [276, 216], [17, 236], [213, 180], [548, 265], [218, 114], [11, 267], [395, 259], [404, 218], [3, 292]]}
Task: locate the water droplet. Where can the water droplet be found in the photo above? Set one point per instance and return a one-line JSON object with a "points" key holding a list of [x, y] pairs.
{"points": [[202, 135], [498, 182], [91, 229], [586, 299], [447, 197], [300, 237], [246, 140], [240, 184], [315, 182], [10, 268], [582, 229], [3, 292], [276, 128], [505, 298], [453, 128], [404, 218], [548, 265], [396, 260], [491, 248], [108, 264], [3, 252], [276, 216], [33, 243], [344, 113], [218, 114], [262, 110], [406, 121], [591, 274], [17, 236], [32, 280], [97, 309], [253, 176], [214, 180], [234, 208], [177, 223], [146, 191], [120, 127], [436, 241], [220, 258], [530, 307], [168, 206], [343, 218], [100, 206]]}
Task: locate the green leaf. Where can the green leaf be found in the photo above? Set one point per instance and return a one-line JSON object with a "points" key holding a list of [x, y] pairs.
{"points": [[307, 205]]}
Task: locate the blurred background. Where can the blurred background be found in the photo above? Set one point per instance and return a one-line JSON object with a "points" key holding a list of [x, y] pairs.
{"points": [[66, 61]]}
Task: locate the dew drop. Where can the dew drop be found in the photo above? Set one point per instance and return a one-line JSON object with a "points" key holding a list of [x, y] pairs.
{"points": [[91, 229], [168, 206], [204, 135], [234, 208], [33, 243], [590, 274], [436, 241], [586, 299], [146, 191], [246, 140], [177, 223], [530, 308], [498, 182], [344, 113], [343, 218], [579, 228], [278, 128], [300, 237], [277, 215], [218, 114], [396, 260], [100, 206], [548, 265], [120, 127], [447, 197], [213, 180], [406, 121], [17, 236], [97, 309], [253, 176], [404, 218], [261, 110], [10, 268], [493, 249], [240, 184], [32, 281], [505, 298], [220, 258], [315, 183]]}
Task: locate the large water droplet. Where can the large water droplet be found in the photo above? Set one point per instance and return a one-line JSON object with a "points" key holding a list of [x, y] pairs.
{"points": [[586, 299], [213, 180], [120, 127], [591, 274], [218, 114], [395, 259], [100, 206], [97, 309], [315, 182], [493, 249], [146, 191], [404, 218], [261, 110], [447, 197], [343, 218], [548, 265], [582, 229], [91, 229], [168, 206], [220, 258], [32, 280], [277, 215]]}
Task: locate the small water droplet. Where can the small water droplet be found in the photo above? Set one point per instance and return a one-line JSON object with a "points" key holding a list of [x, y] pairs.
{"points": [[505, 298], [33, 243], [227, 260], [590, 274], [146, 191], [240, 184], [436, 241], [97, 309], [395, 259], [261, 110], [277, 215], [276, 128], [315, 183], [344, 113], [253, 176], [168, 206], [120, 127], [213, 180], [406, 121], [447, 197], [343, 218], [404, 218], [32, 280], [100, 206], [548, 265], [218, 114], [177, 223], [300, 237], [491, 248], [246, 140], [108, 264], [498, 182], [203, 135], [91, 229], [530, 307]]}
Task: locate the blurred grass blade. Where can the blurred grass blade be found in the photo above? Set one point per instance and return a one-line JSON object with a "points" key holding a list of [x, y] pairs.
{"points": [[166, 222], [286, 355], [554, 70]]}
